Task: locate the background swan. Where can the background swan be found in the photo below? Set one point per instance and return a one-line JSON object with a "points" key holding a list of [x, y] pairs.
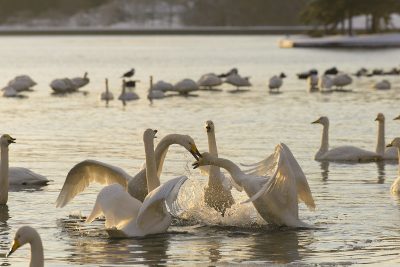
{"points": [[14, 175], [217, 194], [107, 95], [89, 171], [274, 186], [395, 188], [185, 86], [154, 94], [382, 85], [342, 153], [341, 80], [387, 153], [9, 91], [28, 235], [127, 95], [236, 80], [325, 83], [312, 82], [163, 86], [209, 80], [80, 81], [275, 82], [64, 85], [129, 216], [22, 83]]}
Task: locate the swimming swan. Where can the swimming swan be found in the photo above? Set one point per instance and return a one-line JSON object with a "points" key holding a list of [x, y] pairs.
{"points": [[130, 217], [209, 80], [217, 194], [24, 235], [387, 153], [89, 171], [22, 83], [342, 153], [395, 188], [275, 185], [107, 95], [14, 175]]}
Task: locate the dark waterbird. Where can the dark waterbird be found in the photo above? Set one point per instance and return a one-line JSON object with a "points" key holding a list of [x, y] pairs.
{"points": [[129, 73]]}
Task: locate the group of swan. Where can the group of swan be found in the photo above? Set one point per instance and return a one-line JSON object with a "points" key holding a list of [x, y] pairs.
{"points": [[326, 82], [352, 153], [67, 85], [17, 85]]}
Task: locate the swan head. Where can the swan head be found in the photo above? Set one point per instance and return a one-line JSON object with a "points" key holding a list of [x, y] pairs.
{"points": [[24, 235], [205, 159], [380, 117], [149, 135], [6, 139], [395, 143], [209, 126], [397, 118], [322, 120], [188, 143]]}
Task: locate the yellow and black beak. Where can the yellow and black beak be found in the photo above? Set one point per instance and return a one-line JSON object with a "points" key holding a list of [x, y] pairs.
{"points": [[155, 132], [14, 247], [195, 152], [389, 145], [397, 118], [11, 140], [314, 122], [195, 164]]}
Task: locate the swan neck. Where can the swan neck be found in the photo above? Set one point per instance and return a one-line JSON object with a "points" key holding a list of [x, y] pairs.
{"points": [[4, 175], [215, 171], [162, 149], [37, 258], [231, 167], [325, 139], [151, 169], [380, 145]]}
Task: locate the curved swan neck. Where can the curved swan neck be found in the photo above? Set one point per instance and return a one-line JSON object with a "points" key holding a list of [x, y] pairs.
{"points": [[162, 149], [37, 258], [380, 145], [231, 167], [4, 175], [151, 170], [325, 138], [215, 172]]}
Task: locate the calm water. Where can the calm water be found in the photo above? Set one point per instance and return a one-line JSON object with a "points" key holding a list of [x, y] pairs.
{"points": [[358, 220]]}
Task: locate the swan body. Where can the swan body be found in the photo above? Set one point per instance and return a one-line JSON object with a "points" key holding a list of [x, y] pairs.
{"points": [[386, 153], [274, 186], [325, 83], [86, 172], [185, 86], [127, 95], [343, 153], [395, 188], [28, 235], [275, 82], [209, 80], [163, 86], [80, 81], [236, 80], [312, 82], [154, 94], [382, 85], [9, 91], [64, 85], [341, 80], [217, 194], [107, 95], [22, 83]]}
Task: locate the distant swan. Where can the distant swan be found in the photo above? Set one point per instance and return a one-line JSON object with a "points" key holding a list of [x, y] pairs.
{"points": [[128, 216], [382, 85], [342, 153], [22, 83], [395, 188], [154, 94], [185, 87], [89, 171], [209, 81], [236, 80], [24, 235], [14, 175], [389, 153], [9, 91], [80, 81], [127, 95], [341, 80], [107, 95], [275, 82], [325, 83], [274, 186], [64, 85], [163, 86]]}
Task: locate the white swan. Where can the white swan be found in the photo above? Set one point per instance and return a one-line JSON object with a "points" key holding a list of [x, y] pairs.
{"points": [[9, 91], [14, 175], [64, 85], [275, 82], [28, 235], [312, 82], [185, 86], [209, 80], [22, 83], [274, 186], [217, 194], [395, 188], [80, 81], [325, 83], [342, 153], [154, 94], [88, 171], [129, 216], [127, 95], [236, 80], [341, 80], [389, 153], [107, 95], [163, 86], [382, 85]]}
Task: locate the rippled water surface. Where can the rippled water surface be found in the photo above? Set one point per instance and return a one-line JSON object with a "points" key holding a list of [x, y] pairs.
{"points": [[357, 220]]}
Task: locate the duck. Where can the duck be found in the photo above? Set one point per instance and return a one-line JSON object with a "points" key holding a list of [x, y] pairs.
{"points": [[395, 188], [304, 75], [331, 71], [107, 95], [386, 153], [274, 186], [382, 85], [28, 235], [275, 82], [209, 81], [342, 153]]}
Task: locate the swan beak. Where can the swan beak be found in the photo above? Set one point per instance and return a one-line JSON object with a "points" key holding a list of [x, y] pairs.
{"points": [[397, 118], [195, 165], [314, 122], [389, 145], [11, 140], [155, 132], [14, 247], [195, 152]]}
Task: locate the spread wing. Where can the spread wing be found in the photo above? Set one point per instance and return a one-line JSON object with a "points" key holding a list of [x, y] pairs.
{"points": [[86, 172]]}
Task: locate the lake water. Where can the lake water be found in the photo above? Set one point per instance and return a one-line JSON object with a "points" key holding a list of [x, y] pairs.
{"points": [[357, 219]]}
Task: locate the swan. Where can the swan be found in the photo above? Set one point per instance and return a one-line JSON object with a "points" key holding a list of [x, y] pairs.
{"points": [[274, 186], [64, 85], [342, 153], [325, 83], [341, 80], [232, 71], [217, 194], [382, 85], [22, 83], [209, 80], [24, 235], [14, 175], [107, 95], [163, 86], [389, 153], [185, 86], [236, 80], [80, 81], [154, 94], [9, 91], [276, 82], [312, 82], [88, 171], [127, 95], [130, 217]]}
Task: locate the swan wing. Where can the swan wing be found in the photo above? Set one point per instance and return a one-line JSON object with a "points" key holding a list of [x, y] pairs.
{"points": [[153, 209], [24, 176], [86, 172], [116, 204]]}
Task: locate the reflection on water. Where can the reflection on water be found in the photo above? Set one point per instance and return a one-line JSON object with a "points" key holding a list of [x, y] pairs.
{"points": [[324, 170], [381, 172]]}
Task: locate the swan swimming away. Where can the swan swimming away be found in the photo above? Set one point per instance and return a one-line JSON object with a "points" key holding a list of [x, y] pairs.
{"points": [[395, 188], [14, 175], [387, 153], [276, 82], [28, 235], [89, 171], [22, 83], [217, 194], [275, 185], [342, 153], [130, 217], [209, 80], [107, 95]]}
